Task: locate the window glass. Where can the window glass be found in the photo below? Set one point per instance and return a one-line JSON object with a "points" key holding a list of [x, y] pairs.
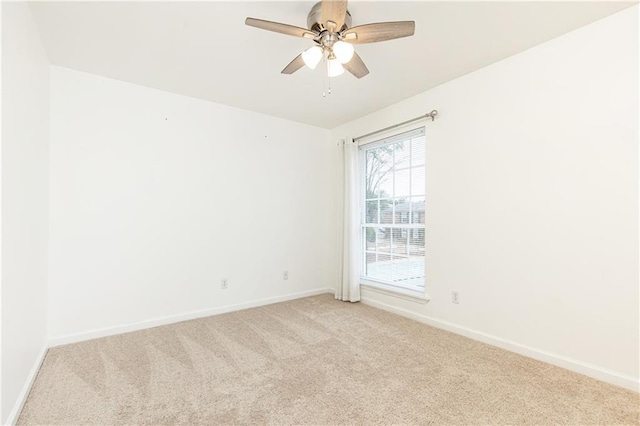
{"points": [[394, 250]]}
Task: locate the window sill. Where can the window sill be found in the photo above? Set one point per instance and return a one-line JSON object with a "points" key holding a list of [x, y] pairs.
{"points": [[402, 293]]}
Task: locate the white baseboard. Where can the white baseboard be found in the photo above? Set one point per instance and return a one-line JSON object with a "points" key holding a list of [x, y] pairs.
{"points": [[126, 328], [24, 393], [609, 376]]}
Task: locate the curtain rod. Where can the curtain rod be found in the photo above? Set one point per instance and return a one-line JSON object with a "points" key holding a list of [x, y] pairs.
{"points": [[431, 115]]}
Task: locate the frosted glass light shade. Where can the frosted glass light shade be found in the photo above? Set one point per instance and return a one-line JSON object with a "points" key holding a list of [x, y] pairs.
{"points": [[312, 56], [334, 68], [343, 51]]}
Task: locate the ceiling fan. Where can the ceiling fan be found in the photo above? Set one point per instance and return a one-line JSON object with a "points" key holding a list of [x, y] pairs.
{"points": [[329, 24]]}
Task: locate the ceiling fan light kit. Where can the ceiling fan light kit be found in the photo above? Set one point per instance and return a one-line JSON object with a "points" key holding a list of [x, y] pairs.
{"points": [[312, 56], [329, 24], [334, 68], [343, 51]]}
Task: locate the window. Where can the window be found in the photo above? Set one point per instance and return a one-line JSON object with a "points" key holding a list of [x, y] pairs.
{"points": [[393, 232]]}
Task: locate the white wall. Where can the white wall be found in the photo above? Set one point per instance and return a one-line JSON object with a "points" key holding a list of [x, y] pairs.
{"points": [[155, 197], [532, 183], [25, 141]]}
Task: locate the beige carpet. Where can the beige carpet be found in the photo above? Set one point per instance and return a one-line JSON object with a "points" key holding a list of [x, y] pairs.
{"points": [[312, 360]]}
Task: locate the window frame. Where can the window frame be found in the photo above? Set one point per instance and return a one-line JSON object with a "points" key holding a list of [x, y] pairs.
{"points": [[407, 291]]}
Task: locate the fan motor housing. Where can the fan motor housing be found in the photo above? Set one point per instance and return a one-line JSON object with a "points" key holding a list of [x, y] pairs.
{"points": [[314, 19]]}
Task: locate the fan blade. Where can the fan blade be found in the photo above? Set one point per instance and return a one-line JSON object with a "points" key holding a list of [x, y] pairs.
{"points": [[333, 13], [294, 65], [280, 28], [381, 31], [356, 67]]}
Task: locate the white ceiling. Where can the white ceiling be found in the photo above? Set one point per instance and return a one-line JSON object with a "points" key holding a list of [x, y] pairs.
{"points": [[204, 50]]}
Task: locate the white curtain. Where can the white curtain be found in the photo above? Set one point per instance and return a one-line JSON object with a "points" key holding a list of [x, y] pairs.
{"points": [[349, 287]]}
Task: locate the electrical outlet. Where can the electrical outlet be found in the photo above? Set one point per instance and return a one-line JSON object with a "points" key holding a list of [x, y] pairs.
{"points": [[455, 298], [285, 275], [224, 284]]}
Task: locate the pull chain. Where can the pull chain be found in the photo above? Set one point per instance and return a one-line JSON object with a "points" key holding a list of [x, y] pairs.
{"points": [[325, 77], [328, 78]]}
